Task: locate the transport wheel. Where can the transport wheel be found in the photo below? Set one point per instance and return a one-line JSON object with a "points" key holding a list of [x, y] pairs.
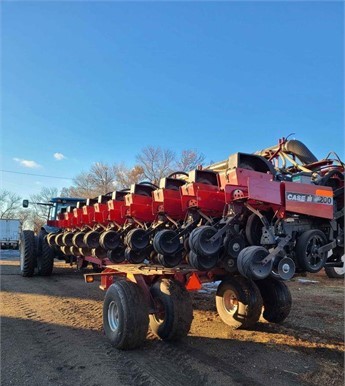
{"points": [[200, 243], [166, 242], [337, 272], [202, 263], [277, 299], [249, 263], [45, 256], [137, 239], [27, 253], [254, 229], [307, 250], [109, 240], [91, 239], [125, 315], [77, 240], [175, 311], [238, 302]]}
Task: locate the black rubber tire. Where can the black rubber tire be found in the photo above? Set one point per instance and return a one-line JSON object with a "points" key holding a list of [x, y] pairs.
{"points": [[109, 240], [248, 263], [128, 300], [45, 256], [199, 241], [254, 229], [333, 272], [247, 298], [51, 239], [137, 239], [117, 255], [165, 242], [77, 240], [27, 253], [99, 252], [169, 261], [277, 299], [67, 239], [303, 250], [202, 263], [134, 257], [91, 239], [58, 240], [177, 316]]}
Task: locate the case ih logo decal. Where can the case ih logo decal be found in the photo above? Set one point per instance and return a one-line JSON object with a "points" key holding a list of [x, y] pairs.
{"points": [[312, 198]]}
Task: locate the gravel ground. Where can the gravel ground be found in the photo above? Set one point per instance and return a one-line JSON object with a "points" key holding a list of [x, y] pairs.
{"points": [[51, 334]]}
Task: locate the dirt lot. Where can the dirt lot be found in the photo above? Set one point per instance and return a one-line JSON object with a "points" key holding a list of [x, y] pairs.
{"points": [[52, 335]]}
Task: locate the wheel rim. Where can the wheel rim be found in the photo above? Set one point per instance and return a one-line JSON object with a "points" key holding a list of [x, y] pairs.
{"points": [[113, 316], [230, 302], [313, 258], [21, 256]]}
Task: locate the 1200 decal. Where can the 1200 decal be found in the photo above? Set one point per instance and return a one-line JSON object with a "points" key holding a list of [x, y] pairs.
{"points": [[311, 198]]}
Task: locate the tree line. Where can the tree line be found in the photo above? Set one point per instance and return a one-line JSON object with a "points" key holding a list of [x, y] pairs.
{"points": [[152, 164]]}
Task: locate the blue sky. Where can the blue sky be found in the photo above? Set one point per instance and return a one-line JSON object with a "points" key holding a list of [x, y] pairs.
{"points": [[98, 81]]}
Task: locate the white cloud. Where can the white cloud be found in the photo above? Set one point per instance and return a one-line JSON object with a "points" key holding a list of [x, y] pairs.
{"points": [[27, 163], [59, 156]]}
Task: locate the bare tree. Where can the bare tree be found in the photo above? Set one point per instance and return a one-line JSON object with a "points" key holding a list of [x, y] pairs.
{"points": [[99, 180], [102, 177], [156, 162], [82, 187], [153, 163], [126, 176], [190, 159], [44, 196], [9, 204]]}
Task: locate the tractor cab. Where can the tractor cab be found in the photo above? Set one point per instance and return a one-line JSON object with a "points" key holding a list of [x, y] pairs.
{"points": [[57, 207]]}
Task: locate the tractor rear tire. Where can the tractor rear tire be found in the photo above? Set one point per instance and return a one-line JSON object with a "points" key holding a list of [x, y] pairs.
{"points": [[176, 312], [239, 302], [27, 253], [277, 300], [125, 315], [45, 256]]}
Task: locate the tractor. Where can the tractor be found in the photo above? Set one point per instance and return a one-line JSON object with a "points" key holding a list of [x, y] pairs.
{"points": [[35, 252]]}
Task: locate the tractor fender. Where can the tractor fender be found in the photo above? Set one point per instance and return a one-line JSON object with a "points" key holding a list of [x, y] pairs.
{"points": [[49, 229]]}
